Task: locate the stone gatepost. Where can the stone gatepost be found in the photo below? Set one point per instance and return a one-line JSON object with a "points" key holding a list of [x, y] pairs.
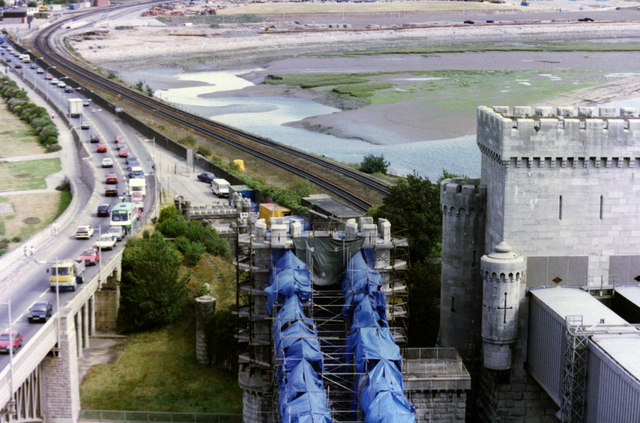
{"points": [[205, 307], [61, 383]]}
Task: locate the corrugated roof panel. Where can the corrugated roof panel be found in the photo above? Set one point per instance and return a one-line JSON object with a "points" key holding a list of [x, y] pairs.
{"points": [[631, 293], [623, 349]]}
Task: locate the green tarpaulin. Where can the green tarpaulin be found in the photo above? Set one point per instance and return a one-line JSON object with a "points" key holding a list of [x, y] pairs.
{"points": [[330, 257]]}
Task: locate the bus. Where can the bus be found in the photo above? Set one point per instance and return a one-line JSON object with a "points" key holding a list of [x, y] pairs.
{"points": [[125, 214]]}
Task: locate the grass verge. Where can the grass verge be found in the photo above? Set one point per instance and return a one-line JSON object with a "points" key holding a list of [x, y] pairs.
{"points": [[31, 213], [16, 137], [27, 175], [158, 371]]}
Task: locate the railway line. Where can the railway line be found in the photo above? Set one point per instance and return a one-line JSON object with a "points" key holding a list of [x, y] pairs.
{"points": [[233, 137]]}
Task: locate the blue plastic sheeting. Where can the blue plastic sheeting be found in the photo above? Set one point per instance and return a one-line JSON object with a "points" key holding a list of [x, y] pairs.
{"points": [[364, 316], [287, 278], [302, 378], [384, 377], [290, 312], [361, 281], [389, 407], [307, 408], [370, 345]]}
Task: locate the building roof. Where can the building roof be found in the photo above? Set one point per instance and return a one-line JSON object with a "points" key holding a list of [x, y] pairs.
{"points": [[325, 204]]}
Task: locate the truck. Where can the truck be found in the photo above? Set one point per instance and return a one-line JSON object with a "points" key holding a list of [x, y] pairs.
{"points": [[220, 187], [75, 107], [138, 185], [66, 274]]}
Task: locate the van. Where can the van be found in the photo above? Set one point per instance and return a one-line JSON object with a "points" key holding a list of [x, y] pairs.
{"points": [[220, 187]]}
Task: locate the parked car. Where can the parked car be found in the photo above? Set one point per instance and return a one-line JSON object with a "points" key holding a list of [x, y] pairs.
{"points": [[107, 162], [90, 256], [106, 242], [117, 231], [84, 232], [10, 343], [85, 124], [206, 177], [104, 210], [123, 152], [94, 138], [111, 178], [111, 191], [40, 311], [101, 148]]}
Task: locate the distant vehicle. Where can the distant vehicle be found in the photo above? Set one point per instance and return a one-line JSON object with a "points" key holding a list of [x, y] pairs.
{"points": [[66, 274], [136, 172], [118, 138], [62, 84], [117, 231], [48, 76], [585, 20], [40, 311], [124, 214], [138, 200], [469, 22], [206, 177], [94, 138], [121, 145], [111, 191], [133, 161], [101, 148], [85, 103], [84, 232], [10, 342], [107, 162], [104, 210], [106, 242], [68, 89], [54, 81], [123, 152], [90, 256], [111, 178], [138, 186], [39, 71], [75, 107], [18, 65], [33, 66], [220, 187], [8, 59], [85, 124]]}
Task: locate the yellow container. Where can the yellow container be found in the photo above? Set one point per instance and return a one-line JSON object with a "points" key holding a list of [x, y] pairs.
{"points": [[269, 210], [239, 163]]}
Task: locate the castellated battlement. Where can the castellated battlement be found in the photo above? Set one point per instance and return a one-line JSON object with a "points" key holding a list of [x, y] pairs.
{"points": [[526, 132], [462, 194]]}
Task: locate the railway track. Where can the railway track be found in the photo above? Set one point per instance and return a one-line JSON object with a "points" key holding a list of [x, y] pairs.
{"points": [[233, 137]]}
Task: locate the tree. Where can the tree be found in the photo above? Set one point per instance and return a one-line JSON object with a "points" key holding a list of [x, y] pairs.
{"points": [[32, 4], [374, 164], [152, 294]]}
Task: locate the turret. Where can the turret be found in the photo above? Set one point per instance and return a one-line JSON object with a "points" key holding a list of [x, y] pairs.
{"points": [[502, 274]]}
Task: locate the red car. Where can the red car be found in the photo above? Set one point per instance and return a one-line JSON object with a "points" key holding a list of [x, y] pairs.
{"points": [[48, 77], [12, 344], [101, 148], [111, 191], [123, 152], [111, 178], [90, 256], [119, 138]]}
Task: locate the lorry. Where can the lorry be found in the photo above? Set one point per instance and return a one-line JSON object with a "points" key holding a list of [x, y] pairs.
{"points": [[25, 58], [138, 185], [75, 107], [66, 274], [220, 187]]}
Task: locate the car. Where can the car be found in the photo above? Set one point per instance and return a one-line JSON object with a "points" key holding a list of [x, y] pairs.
{"points": [[62, 84], [85, 124], [104, 210], [121, 144], [68, 89], [206, 177], [85, 103], [10, 341], [117, 231], [8, 59], [84, 232], [107, 162], [33, 66], [90, 256], [136, 172], [101, 147], [469, 22], [133, 161], [106, 242], [118, 138], [48, 76], [40, 311], [39, 71], [111, 191], [123, 152], [585, 20], [94, 138], [54, 81], [111, 178], [138, 200], [18, 65]]}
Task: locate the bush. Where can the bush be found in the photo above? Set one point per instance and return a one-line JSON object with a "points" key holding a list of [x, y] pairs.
{"points": [[189, 141], [64, 186], [203, 150], [173, 227], [374, 164], [194, 253], [195, 231], [221, 342], [167, 213], [302, 187], [215, 244], [53, 147]]}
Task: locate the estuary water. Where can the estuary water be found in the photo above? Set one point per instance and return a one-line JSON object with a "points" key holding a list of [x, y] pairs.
{"points": [[267, 116]]}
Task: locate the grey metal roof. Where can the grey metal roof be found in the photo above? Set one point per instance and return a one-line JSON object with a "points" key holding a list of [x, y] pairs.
{"points": [[630, 292], [623, 349]]}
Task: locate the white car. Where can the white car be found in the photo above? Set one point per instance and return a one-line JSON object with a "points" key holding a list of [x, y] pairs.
{"points": [[117, 231], [61, 84], [106, 242], [84, 232], [85, 124], [138, 200], [107, 162], [54, 81]]}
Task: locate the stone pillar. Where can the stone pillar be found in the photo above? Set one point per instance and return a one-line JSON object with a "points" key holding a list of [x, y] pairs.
{"points": [[92, 315], [77, 321], [205, 306], [85, 324], [60, 381]]}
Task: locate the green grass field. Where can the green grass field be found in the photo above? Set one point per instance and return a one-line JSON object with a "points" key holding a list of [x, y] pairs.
{"points": [[27, 175], [16, 137]]}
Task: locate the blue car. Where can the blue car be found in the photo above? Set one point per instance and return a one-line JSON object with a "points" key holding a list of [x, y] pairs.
{"points": [[40, 311], [206, 177]]}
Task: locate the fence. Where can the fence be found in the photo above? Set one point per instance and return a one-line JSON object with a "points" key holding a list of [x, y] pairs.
{"points": [[157, 416]]}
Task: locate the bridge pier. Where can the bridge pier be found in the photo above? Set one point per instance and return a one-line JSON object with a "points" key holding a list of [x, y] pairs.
{"points": [[60, 378]]}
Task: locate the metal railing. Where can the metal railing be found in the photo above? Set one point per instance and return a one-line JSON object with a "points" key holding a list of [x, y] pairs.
{"points": [[157, 416]]}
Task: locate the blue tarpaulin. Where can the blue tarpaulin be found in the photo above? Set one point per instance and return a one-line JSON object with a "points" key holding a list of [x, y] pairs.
{"points": [[302, 378], [360, 281], [384, 377], [290, 312], [289, 277], [298, 342], [307, 408], [364, 316], [370, 345], [389, 407]]}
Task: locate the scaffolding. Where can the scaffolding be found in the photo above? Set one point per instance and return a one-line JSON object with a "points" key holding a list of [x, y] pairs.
{"points": [[256, 253], [574, 372]]}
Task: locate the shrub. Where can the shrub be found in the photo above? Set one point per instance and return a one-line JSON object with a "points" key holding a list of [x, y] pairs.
{"points": [[302, 187], [168, 213], [374, 164], [64, 186], [194, 253], [195, 231], [203, 150], [173, 227], [189, 141], [215, 244], [16, 239]]}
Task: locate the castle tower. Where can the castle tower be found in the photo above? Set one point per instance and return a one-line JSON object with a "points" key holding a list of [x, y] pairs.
{"points": [[463, 222], [502, 276]]}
